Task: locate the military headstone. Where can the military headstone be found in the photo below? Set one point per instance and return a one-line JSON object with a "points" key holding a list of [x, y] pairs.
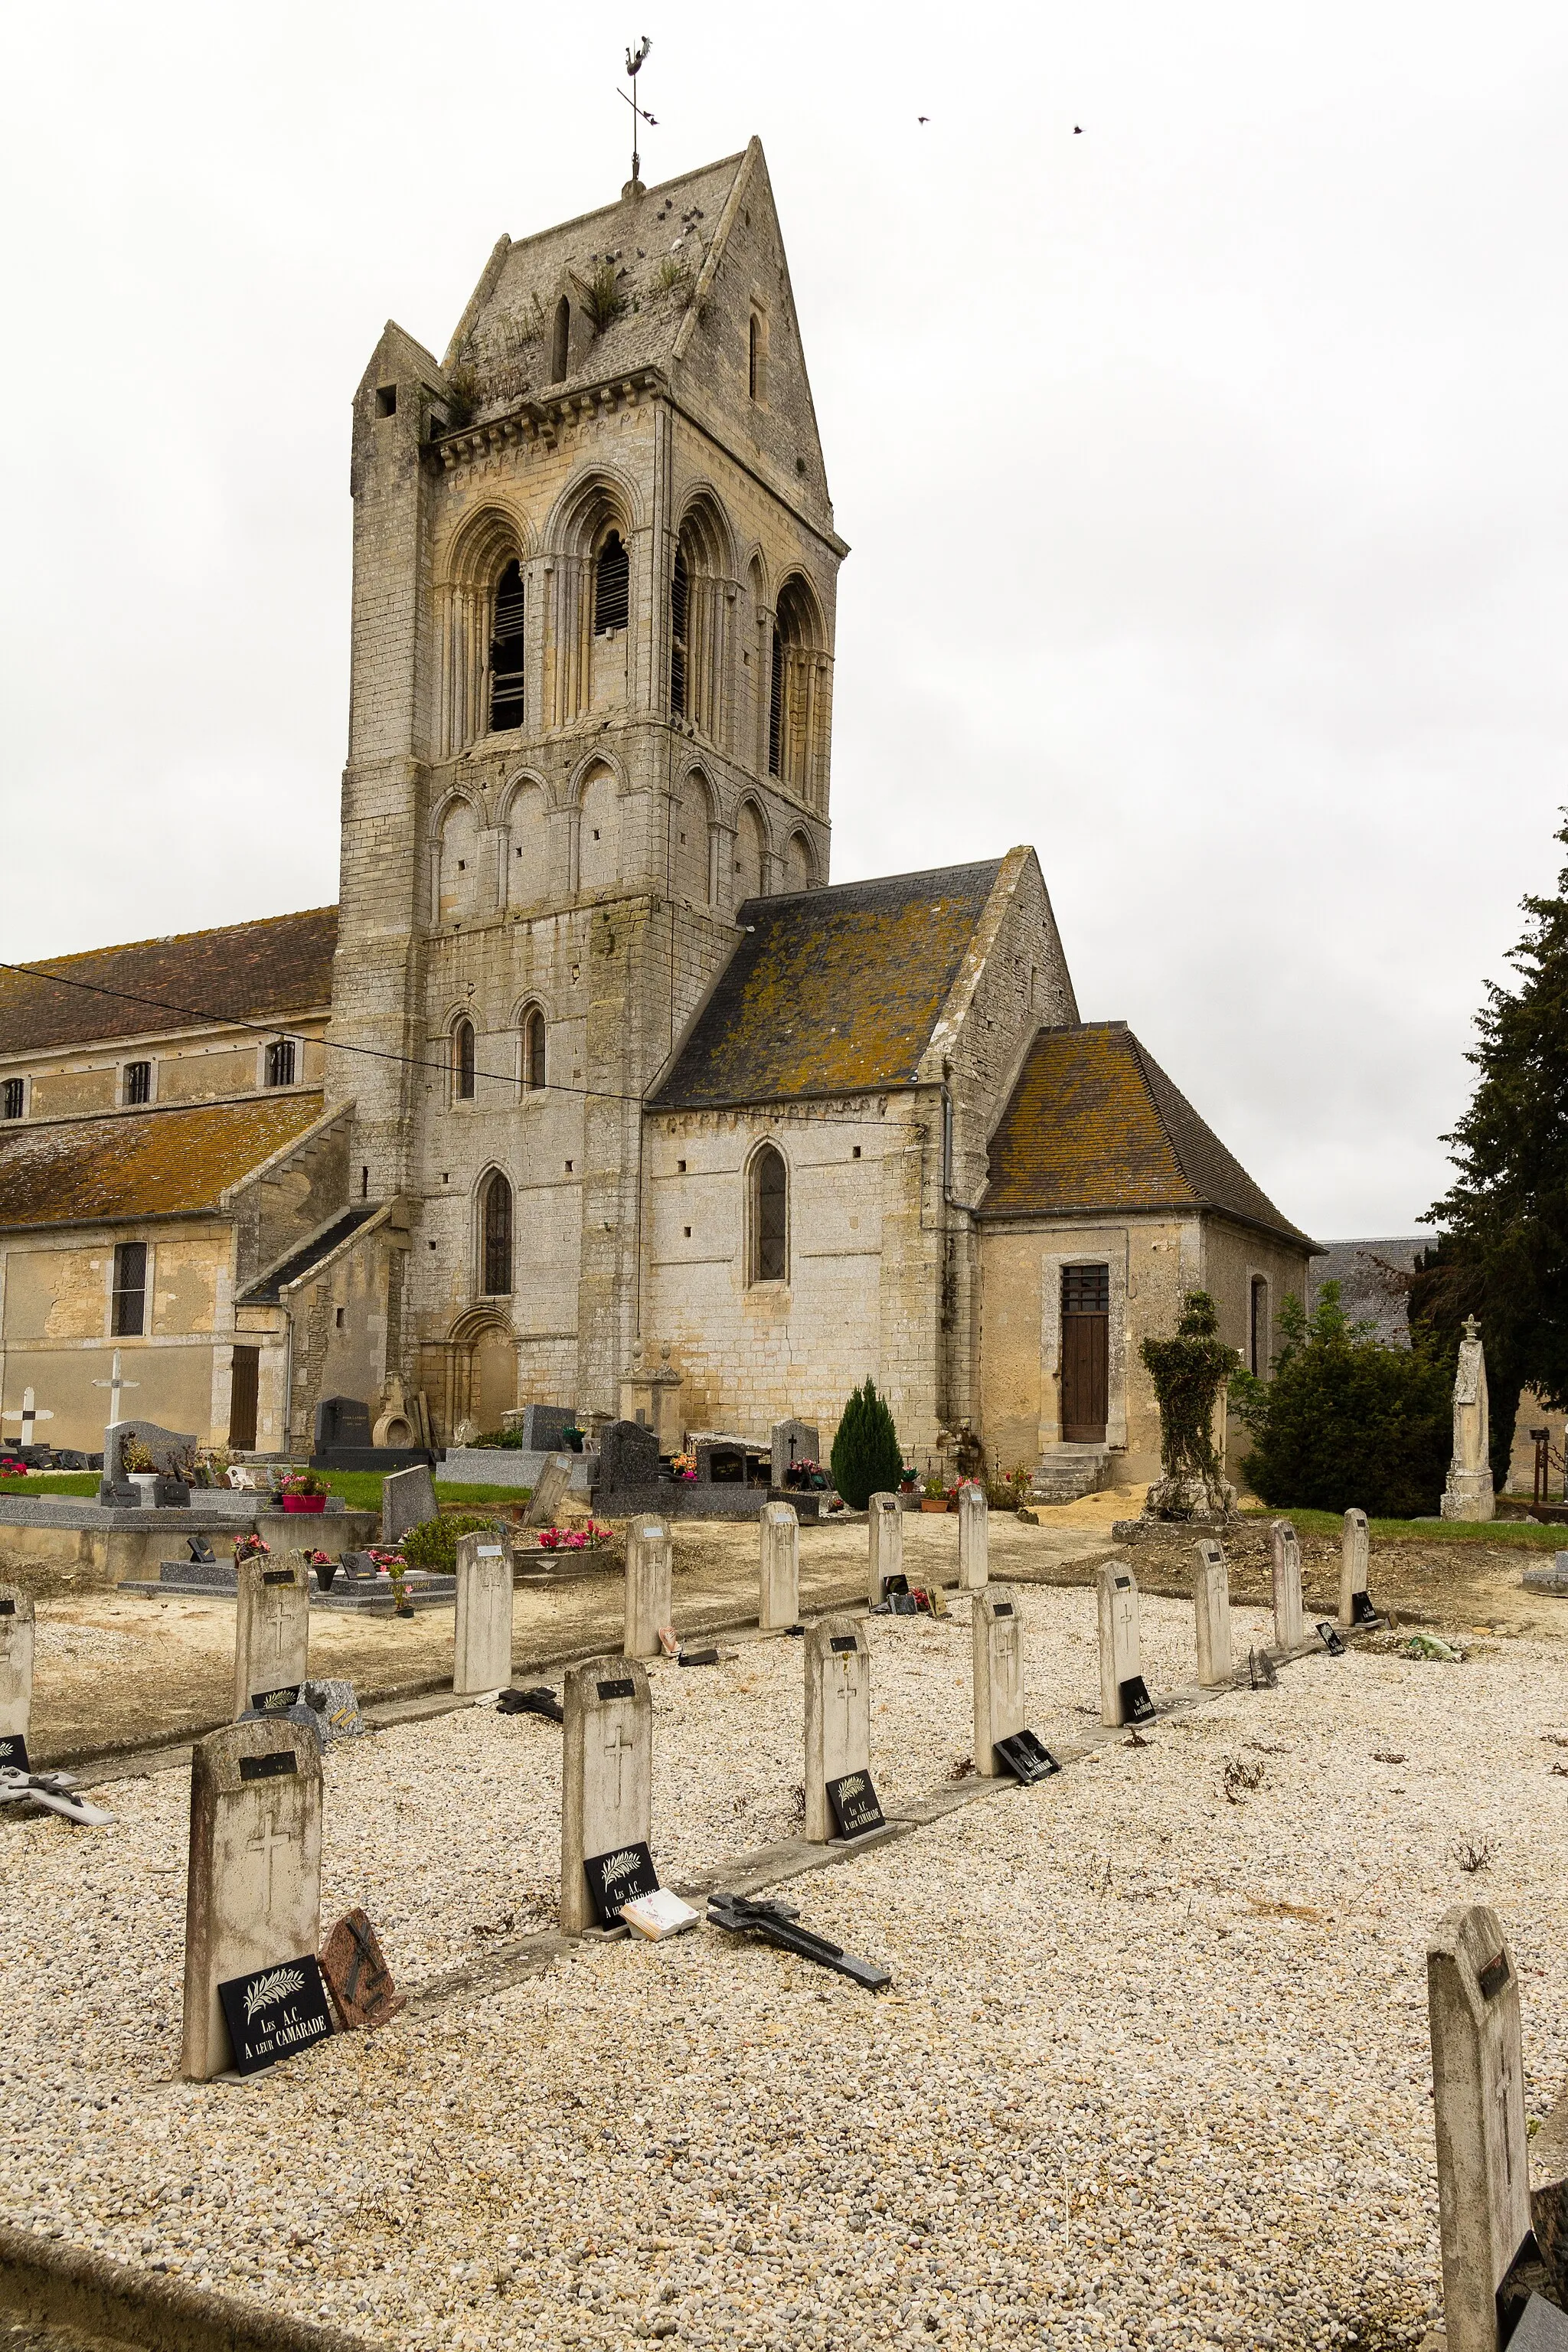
{"points": [[999, 1638], [1122, 1695], [1355, 1603], [481, 1658], [408, 1500], [648, 1572], [1483, 2148], [357, 1975], [1211, 1605], [550, 1491], [778, 1574], [838, 1726], [606, 1792], [792, 1442], [17, 1636], [974, 1537], [885, 1542], [1285, 1553], [271, 1630]]}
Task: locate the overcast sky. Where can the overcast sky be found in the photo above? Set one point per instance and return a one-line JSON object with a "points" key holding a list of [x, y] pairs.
{"points": [[1204, 473]]}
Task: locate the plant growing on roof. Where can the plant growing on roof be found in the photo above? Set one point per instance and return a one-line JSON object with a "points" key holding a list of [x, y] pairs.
{"points": [[605, 301], [867, 1458], [1189, 1371]]}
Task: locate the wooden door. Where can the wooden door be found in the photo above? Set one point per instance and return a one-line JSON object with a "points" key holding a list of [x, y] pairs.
{"points": [[242, 1400], [1086, 1353]]}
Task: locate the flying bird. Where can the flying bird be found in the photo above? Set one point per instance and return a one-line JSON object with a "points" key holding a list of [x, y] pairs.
{"points": [[1077, 130], [923, 118]]}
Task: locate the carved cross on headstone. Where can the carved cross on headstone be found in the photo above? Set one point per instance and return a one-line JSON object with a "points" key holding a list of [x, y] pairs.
{"points": [[619, 1748], [266, 1843]]}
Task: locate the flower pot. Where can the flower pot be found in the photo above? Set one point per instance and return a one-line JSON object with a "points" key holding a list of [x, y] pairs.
{"points": [[933, 1503], [146, 1484], [304, 1502]]}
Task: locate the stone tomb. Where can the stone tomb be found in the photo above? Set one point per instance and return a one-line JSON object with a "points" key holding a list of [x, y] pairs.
{"points": [[998, 1634], [1211, 1606], [16, 1646], [1122, 1695], [481, 1657], [973, 1537], [791, 1442], [253, 1900], [885, 1540], [778, 1570], [650, 1563], [549, 1490], [168, 1448], [606, 1792], [271, 1630], [1355, 1603], [1285, 1552], [839, 1798], [1483, 2149], [408, 1500]]}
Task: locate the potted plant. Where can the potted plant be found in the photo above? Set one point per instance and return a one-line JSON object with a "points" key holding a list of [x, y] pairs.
{"points": [[137, 1464], [251, 1546], [305, 1490], [934, 1494]]}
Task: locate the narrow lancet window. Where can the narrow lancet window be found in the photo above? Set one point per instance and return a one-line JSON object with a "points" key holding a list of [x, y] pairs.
{"points": [[612, 586], [770, 1215], [680, 609], [506, 652], [463, 1062], [496, 1239]]}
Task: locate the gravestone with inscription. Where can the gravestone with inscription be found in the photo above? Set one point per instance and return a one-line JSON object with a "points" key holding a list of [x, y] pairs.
{"points": [[481, 1657], [271, 1630], [648, 1570], [998, 1635], [342, 1421], [1477, 2107], [1123, 1698], [839, 1798], [1355, 1602], [1285, 1554], [778, 1575], [606, 1792], [628, 1462], [357, 1975], [1211, 1605], [16, 1642], [791, 1442], [408, 1500], [549, 1491], [885, 1542], [544, 1427], [253, 1899], [973, 1537]]}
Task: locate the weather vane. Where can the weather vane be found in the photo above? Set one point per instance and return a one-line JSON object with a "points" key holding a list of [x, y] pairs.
{"points": [[635, 60]]}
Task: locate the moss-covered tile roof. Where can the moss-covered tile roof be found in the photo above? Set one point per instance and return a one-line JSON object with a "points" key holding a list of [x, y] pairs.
{"points": [[1095, 1124], [831, 992], [272, 970], [151, 1163]]}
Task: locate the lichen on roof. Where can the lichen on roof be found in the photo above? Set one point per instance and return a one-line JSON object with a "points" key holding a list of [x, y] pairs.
{"points": [[141, 1164]]}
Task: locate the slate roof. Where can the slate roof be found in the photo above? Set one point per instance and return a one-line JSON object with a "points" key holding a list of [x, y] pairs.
{"points": [[1094, 1124], [270, 970], [831, 992], [268, 1289], [141, 1164]]}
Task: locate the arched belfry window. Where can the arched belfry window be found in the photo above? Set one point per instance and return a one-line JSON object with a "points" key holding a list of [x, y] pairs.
{"points": [[776, 703], [463, 1062], [612, 586], [533, 1050], [680, 626], [770, 1217], [561, 341], [506, 652], [796, 714], [495, 1231]]}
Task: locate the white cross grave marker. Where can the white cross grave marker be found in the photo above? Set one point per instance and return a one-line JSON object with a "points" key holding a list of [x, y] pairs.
{"points": [[606, 1774], [114, 1384], [30, 1416]]}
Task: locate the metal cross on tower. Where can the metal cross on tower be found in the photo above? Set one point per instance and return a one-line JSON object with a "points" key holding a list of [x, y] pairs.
{"points": [[635, 59]]}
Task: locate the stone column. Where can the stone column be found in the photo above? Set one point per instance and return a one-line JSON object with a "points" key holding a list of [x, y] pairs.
{"points": [[837, 1714], [1289, 1624], [1211, 1602], [17, 1640], [885, 1537], [547, 1496], [778, 1591], [482, 1656], [271, 1628], [973, 1537], [1352, 1567], [1483, 2152], [606, 1784], [649, 1569], [1120, 1655], [253, 1897], [998, 1636]]}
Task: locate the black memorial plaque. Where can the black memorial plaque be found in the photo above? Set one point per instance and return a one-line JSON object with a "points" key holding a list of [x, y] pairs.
{"points": [[1026, 1757], [1330, 1637], [275, 2013], [1494, 1976], [278, 1765], [626, 1689], [840, 1642], [1002, 1609], [277, 1576], [14, 1751], [1361, 1611], [698, 1658], [1137, 1706], [1124, 1584], [8, 1607], [275, 1702], [855, 1806], [619, 1877]]}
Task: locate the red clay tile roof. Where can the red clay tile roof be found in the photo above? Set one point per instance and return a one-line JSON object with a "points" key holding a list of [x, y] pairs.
{"points": [[151, 1163], [1095, 1124], [267, 970], [831, 992]]}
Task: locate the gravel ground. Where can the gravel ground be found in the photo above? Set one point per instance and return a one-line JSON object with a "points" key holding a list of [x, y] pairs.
{"points": [[1154, 2069]]}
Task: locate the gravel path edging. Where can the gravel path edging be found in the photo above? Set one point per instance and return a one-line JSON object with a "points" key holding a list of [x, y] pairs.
{"points": [[62, 2287]]}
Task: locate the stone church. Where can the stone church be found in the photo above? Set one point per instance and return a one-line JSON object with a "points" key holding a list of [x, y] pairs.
{"points": [[592, 1088]]}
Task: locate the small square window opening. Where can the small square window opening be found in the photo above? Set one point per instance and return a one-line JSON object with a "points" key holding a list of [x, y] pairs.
{"points": [[338, 1318], [855, 1154], [386, 400], [12, 1098], [138, 1082]]}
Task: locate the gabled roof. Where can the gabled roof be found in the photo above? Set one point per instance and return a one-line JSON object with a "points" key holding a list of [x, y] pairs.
{"points": [[270, 970], [831, 992], [1094, 1124], [141, 1164]]}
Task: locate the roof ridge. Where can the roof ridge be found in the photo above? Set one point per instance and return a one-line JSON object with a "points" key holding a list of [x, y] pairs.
{"points": [[821, 890], [580, 220]]}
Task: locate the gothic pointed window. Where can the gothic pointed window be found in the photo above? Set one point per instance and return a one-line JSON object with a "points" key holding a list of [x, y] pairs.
{"points": [[770, 1217], [612, 586], [463, 1062], [561, 341], [496, 1238], [506, 652], [533, 1050], [679, 611]]}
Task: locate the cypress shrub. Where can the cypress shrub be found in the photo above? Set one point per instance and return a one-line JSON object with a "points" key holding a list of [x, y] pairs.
{"points": [[867, 1457], [1346, 1420]]}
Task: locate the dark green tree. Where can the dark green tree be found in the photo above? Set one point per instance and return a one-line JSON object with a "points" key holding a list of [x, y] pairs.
{"points": [[1504, 1252], [867, 1458], [1345, 1421], [1189, 1372]]}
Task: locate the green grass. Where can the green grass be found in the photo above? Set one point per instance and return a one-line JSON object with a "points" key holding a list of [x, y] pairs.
{"points": [[55, 1482], [1426, 1531], [359, 1489]]}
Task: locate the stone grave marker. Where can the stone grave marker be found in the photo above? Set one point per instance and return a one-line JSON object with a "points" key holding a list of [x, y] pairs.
{"points": [[1211, 1605], [973, 1537], [408, 1500], [271, 1630], [341, 1421], [1355, 1604], [648, 1570], [885, 1540], [253, 1899], [778, 1575], [606, 1792], [628, 1462], [839, 1798], [1289, 1623], [1483, 2149], [357, 1975], [793, 1440], [998, 1635], [481, 1659], [550, 1491], [16, 1645], [544, 1427], [1122, 1695]]}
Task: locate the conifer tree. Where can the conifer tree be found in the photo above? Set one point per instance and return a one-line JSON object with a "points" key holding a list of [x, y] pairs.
{"points": [[867, 1457]]}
